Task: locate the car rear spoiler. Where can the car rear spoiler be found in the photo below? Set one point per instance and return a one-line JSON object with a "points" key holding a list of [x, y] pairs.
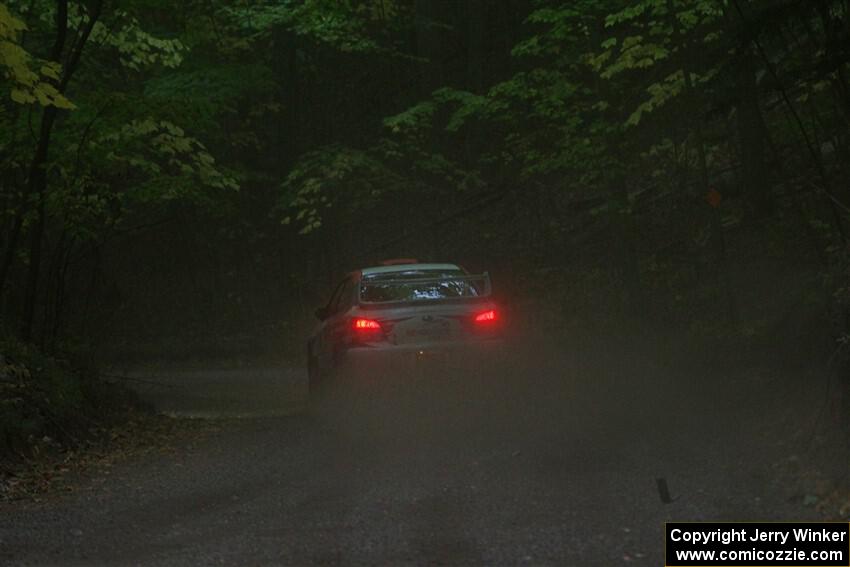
{"points": [[482, 277]]}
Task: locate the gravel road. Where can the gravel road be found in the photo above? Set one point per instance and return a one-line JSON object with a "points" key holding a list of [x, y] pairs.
{"points": [[553, 461]]}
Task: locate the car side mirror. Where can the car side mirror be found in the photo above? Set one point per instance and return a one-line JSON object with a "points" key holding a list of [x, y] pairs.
{"points": [[321, 313]]}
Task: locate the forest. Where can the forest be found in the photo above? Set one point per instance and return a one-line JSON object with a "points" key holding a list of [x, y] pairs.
{"points": [[189, 180]]}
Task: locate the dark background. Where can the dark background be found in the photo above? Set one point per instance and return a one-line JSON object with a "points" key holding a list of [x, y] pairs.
{"points": [[187, 181], [658, 187]]}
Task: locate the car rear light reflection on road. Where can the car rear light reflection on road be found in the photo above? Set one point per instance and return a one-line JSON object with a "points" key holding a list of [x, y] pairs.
{"points": [[489, 316], [366, 325]]}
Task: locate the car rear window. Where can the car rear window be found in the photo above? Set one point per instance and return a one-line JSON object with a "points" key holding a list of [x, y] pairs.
{"points": [[426, 284]]}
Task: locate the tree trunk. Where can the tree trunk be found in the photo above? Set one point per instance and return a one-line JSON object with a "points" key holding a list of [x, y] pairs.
{"points": [[625, 249], [475, 47], [429, 44], [37, 181], [751, 130], [11, 248]]}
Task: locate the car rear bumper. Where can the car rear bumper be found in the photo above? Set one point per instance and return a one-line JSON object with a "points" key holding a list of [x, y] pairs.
{"points": [[439, 356]]}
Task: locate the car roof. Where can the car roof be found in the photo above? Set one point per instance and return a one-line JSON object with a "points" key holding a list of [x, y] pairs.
{"points": [[407, 268]]}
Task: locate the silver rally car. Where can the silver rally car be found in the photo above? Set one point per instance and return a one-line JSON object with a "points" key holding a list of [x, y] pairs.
{"points": [[402, 311]]}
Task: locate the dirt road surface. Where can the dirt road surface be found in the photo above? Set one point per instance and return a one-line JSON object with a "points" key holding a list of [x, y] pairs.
{"points": [[553, 459]]}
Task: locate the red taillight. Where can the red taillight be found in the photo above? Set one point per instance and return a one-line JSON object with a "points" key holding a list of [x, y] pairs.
{"points": [[366, 325], [489, 316]]}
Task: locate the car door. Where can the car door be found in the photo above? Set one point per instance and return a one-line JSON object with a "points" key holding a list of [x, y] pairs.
{"points": [[322, 348], [335, 327]]}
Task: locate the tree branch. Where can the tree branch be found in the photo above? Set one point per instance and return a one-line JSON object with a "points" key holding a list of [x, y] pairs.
{"points": [[77, 48]]}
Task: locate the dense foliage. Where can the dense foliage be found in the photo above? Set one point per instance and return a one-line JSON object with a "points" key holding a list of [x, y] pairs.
{"points": [[208, 167]]}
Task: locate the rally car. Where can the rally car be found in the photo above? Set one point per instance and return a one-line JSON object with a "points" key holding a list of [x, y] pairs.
{"points": [[401, 311]]}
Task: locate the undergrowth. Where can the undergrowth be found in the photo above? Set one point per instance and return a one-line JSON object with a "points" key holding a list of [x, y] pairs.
{"points": [[53, 401]]}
